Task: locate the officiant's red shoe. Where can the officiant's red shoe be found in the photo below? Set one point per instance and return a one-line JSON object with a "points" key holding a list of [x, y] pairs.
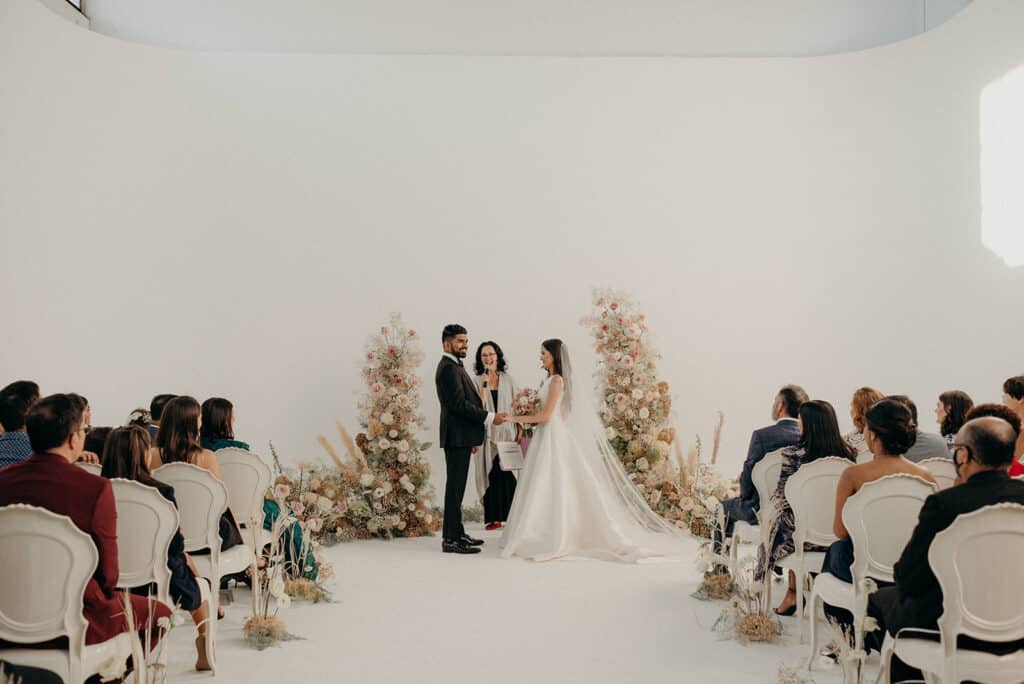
{"points": [[490, 527]]}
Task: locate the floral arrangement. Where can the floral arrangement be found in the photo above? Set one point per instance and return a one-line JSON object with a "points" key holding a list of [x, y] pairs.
{"points": [[746, 619], [383, 487], [263, 628], [526, 402]]}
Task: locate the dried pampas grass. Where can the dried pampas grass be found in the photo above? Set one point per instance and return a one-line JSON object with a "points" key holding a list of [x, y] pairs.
{"points": [[262, 632], [718, 586], [718, 438], [304, 589], [757, 627], [329, 448]]}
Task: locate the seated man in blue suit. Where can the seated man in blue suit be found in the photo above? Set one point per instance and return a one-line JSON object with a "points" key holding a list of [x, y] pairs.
{"points": [[785, 432]]}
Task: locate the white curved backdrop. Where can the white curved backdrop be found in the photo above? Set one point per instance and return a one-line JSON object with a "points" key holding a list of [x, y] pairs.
{"points": [[235, 224]]}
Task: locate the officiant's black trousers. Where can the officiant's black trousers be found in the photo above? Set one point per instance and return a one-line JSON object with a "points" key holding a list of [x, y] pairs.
{"points": [[457, 461]]}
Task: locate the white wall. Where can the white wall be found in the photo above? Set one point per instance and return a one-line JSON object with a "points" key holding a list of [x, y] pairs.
{"points": [[235, 224], [704, 28]]}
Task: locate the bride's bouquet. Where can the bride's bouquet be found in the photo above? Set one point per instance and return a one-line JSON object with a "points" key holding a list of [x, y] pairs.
{"points": [[526, 402]]}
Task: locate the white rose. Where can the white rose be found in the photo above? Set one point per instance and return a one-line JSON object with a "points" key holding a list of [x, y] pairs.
{"points": [[638, 394], [610, 432], [644, 413], [324, 504], [393, 434], [387, 487], [403, 458], [403, 446], [366, 479], [409, 487], [419, 514], [384, 443], [642, 464], [428, 519], [412, 508], [386, 418]]}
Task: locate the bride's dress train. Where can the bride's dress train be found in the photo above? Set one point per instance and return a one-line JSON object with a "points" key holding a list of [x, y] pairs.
{"points": [[573, 503]]}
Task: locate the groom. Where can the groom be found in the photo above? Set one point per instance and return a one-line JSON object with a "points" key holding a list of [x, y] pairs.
{"points": [[463, 420]]}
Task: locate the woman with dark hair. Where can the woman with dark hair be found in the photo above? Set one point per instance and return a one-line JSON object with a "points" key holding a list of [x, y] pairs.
{"points": [[1013, 399], [863, 399], [124, 456], [496, 487], [95, 440], [217, 429], [951, 413], [890, 433], [819, 438], [177, 441]]}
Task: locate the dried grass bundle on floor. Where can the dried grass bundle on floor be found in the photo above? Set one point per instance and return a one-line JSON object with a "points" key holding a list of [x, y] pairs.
{"points": [[261, 632], [718, 586], [306, 590], [757, 627]]}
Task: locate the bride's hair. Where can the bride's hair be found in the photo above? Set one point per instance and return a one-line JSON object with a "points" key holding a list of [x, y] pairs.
{"points": [[554, 347]]}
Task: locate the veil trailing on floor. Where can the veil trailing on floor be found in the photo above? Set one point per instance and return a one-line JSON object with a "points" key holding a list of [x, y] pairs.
{"points": [[582, 418]]}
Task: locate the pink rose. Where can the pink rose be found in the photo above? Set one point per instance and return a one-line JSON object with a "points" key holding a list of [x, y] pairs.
{"points": [[282, 491]]}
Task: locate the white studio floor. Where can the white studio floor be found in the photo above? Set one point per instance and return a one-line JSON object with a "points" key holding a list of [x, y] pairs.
{"points": [[405, 612]]}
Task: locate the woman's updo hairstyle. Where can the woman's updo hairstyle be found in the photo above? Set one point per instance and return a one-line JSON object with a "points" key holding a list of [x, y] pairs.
{"points": [[893, 424]]}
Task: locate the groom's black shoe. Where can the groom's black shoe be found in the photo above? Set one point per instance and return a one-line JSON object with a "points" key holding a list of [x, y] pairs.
{"points": [[458, 546], [466, 539]]}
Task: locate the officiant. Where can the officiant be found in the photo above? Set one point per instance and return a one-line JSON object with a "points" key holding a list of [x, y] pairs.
{"points": [[497, 389]]}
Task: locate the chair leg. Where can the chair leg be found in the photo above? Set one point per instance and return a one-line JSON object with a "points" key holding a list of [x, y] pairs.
{"points": [[800, 578], [884, 661], [812, 614]]}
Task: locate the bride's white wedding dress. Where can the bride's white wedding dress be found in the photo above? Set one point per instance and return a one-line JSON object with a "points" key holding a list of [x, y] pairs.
{"points": [[571, 502]]}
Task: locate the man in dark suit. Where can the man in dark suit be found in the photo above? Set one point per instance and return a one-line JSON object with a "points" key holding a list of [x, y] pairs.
{"points": [[982, 453], [48, 479], [463, 424], [785, 432]]}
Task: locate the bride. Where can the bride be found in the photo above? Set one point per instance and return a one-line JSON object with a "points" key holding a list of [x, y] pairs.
{"points": [[574, 498]]}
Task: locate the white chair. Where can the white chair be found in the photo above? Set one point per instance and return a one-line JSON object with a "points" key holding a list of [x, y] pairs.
{"points": [[811, 493], [942, 469], [765, 476], [202, 498], [247, 478], [93, 468], [46, 563], [146, 523], [973, 560], [880, 518]]}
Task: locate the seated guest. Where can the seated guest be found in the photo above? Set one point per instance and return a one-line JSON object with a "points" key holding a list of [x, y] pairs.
{"points": [[863, 399], [177, 441], [890, 433], [15, 400], [1013, 399], [87, 456], [982, 453], [156, 407], [926, 444], [218, 425], [1011, 417], [950, 413], [125, 457], [784, 433], [56, 430], [96, 438], [819, 438]]}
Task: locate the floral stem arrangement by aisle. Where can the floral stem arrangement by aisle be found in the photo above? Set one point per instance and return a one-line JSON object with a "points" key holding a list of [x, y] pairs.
{"points": [[636, 408]]}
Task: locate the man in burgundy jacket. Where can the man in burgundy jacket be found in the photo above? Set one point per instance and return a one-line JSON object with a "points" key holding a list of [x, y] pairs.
{"points": [[48, 479]]}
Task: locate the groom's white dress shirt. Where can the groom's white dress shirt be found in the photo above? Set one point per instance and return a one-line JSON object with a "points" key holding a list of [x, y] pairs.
{"points": [[490, 416]]}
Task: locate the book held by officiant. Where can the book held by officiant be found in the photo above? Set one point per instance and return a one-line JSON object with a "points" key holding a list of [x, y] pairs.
{"points": [[510, 456]]}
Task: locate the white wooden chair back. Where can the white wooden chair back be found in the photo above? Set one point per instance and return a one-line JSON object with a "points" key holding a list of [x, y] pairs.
{"points": [[942, 469], [93, 468], [202, 499], [247, 478], [880, 518], [811, 493], [766, 474], [46, 563], [146, 523]]}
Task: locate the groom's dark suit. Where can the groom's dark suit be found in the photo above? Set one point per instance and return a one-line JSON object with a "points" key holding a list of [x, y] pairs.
{"points": [[462, 428]]}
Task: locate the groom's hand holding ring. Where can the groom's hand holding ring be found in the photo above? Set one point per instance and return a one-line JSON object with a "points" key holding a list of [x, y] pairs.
{"points": [[500, 418]]}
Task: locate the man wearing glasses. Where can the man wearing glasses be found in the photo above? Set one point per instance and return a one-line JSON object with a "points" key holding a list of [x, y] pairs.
{"points": [[982, 453]]}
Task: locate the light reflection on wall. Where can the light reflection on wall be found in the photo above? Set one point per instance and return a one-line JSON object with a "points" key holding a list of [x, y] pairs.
{"points": [[1002, 167]]}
